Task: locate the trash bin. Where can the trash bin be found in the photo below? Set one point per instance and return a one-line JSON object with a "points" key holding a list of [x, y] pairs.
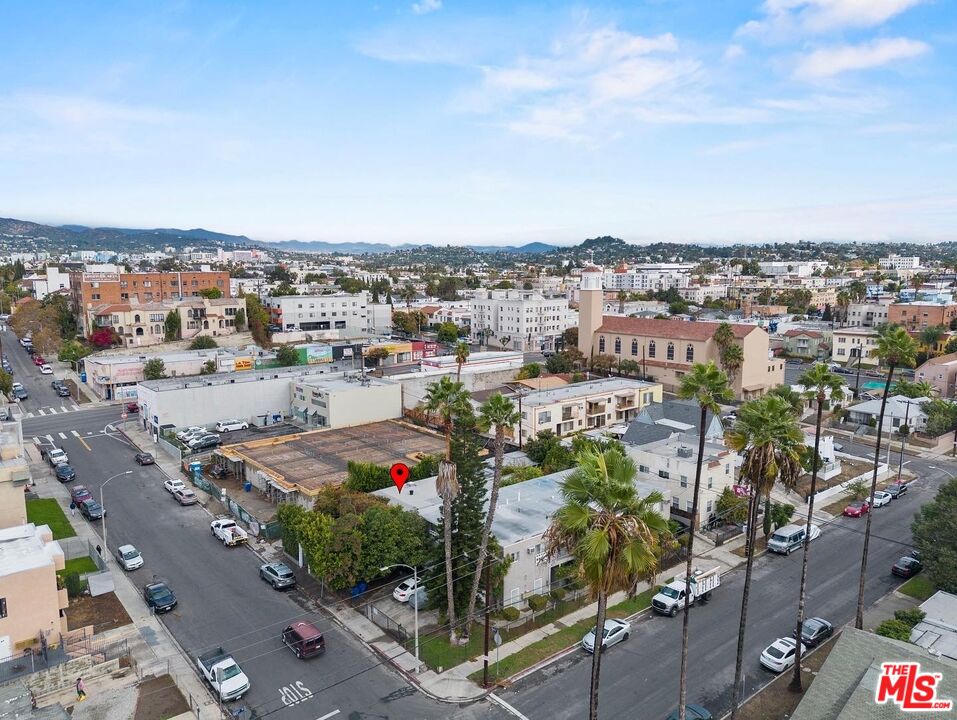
{"points": [[247, 486]]}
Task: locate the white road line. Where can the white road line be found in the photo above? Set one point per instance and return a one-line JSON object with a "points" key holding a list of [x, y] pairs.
{"points": [[63, 436], [52, 411], [41, 412], [508, 708], [36, 440], [75, 433], [111, 428], [63, 408], [49, 437], [30, 414], [74, 407], [328, 715]]}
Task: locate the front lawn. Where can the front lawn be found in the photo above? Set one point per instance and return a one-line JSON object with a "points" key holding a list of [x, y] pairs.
{"points": [[47, 511], [80, 566], [918, 587]]}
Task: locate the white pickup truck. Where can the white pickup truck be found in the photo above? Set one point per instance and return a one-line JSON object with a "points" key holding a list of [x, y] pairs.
{"points": [[223, 674], [227, 531], [671, 597]]}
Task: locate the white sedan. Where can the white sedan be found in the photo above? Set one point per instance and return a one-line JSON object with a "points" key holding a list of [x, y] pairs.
{"points": [[882, 498], [172, 485], [779, 655], [404, 590], [46, 370], [615, 631]]}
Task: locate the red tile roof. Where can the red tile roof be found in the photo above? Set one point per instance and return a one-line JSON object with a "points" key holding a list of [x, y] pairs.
{"points": [[676, 329], [809, 333]]}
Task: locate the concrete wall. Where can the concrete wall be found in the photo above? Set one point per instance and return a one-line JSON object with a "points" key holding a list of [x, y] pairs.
{"points": [[364, 405], [415, 386]]}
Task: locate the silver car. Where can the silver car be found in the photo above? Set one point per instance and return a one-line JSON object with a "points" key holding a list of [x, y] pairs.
{"points": [[616, 631], [278, 575], [129, 557]]}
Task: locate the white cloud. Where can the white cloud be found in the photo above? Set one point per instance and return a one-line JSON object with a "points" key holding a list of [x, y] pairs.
{"points": [[733, 52], [827, 62], [784, 19], [424, 7], [734, 147]]}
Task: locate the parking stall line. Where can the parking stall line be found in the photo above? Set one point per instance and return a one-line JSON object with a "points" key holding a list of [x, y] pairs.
{"points": [[41, 412], [63, 436], [75, 433]]}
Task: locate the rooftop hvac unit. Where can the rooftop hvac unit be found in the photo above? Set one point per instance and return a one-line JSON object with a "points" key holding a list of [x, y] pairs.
{"points": [[685, 452]]}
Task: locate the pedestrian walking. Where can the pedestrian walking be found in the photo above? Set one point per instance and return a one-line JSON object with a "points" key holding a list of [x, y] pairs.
{"points": [[99, 551], [72, 509], [80, 690]]}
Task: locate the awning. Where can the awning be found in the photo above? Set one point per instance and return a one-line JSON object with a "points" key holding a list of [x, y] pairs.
{"points": [[280, 488]]}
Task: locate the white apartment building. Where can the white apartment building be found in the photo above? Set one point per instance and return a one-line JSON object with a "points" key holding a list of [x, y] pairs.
{"points": [[644, 281], [899, 262], [699, 293], [785, 267], [344, 401], [51, 281], [586, 406], [669, 465], [867, 315], [348, 313], [851, 343], [518, 319]]}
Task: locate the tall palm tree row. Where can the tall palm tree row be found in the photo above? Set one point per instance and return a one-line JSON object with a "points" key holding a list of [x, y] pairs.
{"points": [[448, 399], [767, 435], [822, 385], [895, 348], [497, 412], [462, 352], [707, 386], [612, 534]]}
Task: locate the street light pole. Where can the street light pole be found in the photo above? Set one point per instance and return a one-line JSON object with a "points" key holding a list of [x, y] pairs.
{"points": [[415, 607], [103, 508]]}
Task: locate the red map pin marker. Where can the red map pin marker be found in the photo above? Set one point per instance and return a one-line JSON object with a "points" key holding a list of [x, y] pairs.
{"points": [[399, 473]]}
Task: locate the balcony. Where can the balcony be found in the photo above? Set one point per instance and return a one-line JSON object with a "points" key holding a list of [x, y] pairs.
{"points": [[594, 408]]}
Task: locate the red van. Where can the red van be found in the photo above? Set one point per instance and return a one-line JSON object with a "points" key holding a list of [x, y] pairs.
{"points": [[304, 639]]}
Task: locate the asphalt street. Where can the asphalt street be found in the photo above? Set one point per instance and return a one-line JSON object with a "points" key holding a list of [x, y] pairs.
{"points": [[221, 599], [639, 678], [43, 399]]}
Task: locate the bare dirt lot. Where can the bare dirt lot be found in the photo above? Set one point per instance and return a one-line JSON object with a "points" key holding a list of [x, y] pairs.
{"points": [[104, 612], [159, 699]]}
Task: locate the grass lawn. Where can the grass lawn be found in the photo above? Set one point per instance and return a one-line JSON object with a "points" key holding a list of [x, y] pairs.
{"points": [[918, 587], [47, 511], [79, 566], [564, 638]]}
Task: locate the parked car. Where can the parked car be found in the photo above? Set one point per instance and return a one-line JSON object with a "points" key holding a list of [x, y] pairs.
{"points": [[46, 369], [129, 557], [779, 655], [278, 575], [19, 392], [907, 567], [692, 712], [185, 496], [91, 509], [79, 493], [403, 591], [63, 391], [132, 408], [223, 675], [857, 508], [814, 631], [182, 435], [159, 597], [204, 442], [228, 532], [229, 425], [789, 538], [144, 458], [65, 473], [896, 489], [614, 632], [56, 456], [304, 639], [882, 498], [173, 484], [39, 360]]}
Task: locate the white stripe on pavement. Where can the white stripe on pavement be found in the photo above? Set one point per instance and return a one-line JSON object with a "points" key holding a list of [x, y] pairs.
{"points": [[63, 436], [74, 407], [111, 428], [52, 411], [63, 408], [329, 715], [508, 708], [30, 414], [41, 412], [36, 440], [75, 433], [49, 437]]}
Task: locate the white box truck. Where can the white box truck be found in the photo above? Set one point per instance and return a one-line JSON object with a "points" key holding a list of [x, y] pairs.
{"points": [[671, 597]]}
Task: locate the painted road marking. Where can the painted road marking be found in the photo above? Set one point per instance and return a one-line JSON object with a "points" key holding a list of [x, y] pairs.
{"points": [[328, 715], [49, 438], [36, 440], [29, 414], [111, 428], [63, 408], [295, 693], [84, 443], [74, 407], [52, 411], [63, 436], [41, 412], [75, 433], [508, 708]]}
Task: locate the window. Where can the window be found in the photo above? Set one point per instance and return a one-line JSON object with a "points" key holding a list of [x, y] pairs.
{"points": [[651, 349], [618, 346], [663, 474], [689, 353], [601, 344], [545, 417], [671, 351], [688, 505], [643, 468], [634, 347], [675, 502], [684, 481], [710, 506], [3, 607], [710, 482]]}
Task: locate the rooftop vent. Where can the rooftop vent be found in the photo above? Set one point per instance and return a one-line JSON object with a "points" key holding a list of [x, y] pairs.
{"points": [[685, 452]]}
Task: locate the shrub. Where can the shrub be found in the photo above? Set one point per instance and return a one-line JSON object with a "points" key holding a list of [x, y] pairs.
{"points": [[537, 602], [894, 629], [910, 616], [203, 342], [73, 584], [367, 477], [558, 594], [511, 613]]}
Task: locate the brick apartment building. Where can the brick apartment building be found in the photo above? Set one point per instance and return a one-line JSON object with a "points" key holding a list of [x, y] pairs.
{"points": [[921, 313], [92, 289]]}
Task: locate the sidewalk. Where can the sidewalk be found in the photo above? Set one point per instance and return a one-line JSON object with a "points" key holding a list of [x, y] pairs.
{"points": [[151, 645]]}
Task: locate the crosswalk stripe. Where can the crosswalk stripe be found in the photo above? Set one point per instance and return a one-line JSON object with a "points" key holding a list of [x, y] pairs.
{"points": [[36, 440], [63, 436], [74, 407], [111, 428], [63, 409], [29, 414], [52, 411], [41, 412], [75, 433], [49, 437]]}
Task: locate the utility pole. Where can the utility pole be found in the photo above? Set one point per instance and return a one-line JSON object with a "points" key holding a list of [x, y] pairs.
{"points": [[488, 619]]}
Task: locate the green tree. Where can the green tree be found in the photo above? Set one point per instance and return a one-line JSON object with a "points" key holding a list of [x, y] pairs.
{"points": [[499, 414], [240, 319], [824, 386], [6, 382], [895, 348], [287, 355], [366, 477], [448, 332], [449, 400], [538, 447], [559, 363], [154, 369], [941, 416], [613, 535], [209, 368], [935, 536], [172, 326], [920, 388], [731, 508], [794, 399], [283, 289], [73, 350], [203, 342], [408, 294], [212, 293], [257, 318], [570, 337], [462, 352], [708, 386], [529, 371], [391, 535], [377, 354], [930, 337], [768, 437]]}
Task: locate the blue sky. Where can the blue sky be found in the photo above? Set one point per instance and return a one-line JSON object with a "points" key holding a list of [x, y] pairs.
{"points": [[485, 122]]}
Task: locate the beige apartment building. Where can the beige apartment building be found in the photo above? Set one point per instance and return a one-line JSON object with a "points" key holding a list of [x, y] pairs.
{"points": [[141, 325], [849, 344], [666, 349], [14, 476], [586, 406], [941, 373]]}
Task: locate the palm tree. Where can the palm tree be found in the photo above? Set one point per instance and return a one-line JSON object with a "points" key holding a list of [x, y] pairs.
{"points": [[916, 389], [843, 302], [857, 290], [622, 296], [708, 386], [930, 337], [731, 360], [917, 282], [497, 412], [408, 294], [794, 399], [612, 534], [462, 351], [449, 400], [896, 349], [767, 434], [822, 385]]}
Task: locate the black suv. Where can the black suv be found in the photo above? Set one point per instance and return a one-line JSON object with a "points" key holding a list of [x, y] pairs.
{"points": [[92, 510], [65, 473], [896, 489], [159, 597]]}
